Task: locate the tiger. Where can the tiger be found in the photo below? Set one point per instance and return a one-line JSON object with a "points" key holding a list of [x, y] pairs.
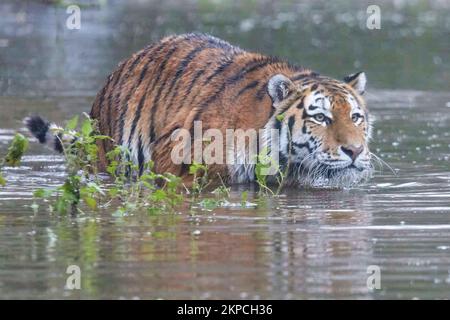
{"points": [[323, 123]]}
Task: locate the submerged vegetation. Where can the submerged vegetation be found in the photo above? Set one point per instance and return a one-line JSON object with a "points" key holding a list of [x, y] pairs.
{"points": [[15, 152], [84, 187], [80, 151], [128, 187]]}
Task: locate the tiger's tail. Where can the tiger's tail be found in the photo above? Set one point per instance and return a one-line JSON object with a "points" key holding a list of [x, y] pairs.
{"points": [[47, 133]]}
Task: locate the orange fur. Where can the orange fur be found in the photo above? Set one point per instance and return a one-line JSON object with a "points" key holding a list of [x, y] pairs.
{"points": [[181, 79]]}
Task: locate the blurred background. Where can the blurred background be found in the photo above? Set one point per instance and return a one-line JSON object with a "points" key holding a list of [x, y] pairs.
{"points": [[39, 55]]}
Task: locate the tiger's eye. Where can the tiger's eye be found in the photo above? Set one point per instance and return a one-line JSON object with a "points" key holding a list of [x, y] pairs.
{"points": [[319, 117], [356, 116]]}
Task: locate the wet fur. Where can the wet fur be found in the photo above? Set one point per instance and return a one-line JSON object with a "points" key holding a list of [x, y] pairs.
{"points": [[182, 79]]}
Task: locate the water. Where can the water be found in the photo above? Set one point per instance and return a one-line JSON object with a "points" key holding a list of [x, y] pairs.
{"points": [[303, 244]]}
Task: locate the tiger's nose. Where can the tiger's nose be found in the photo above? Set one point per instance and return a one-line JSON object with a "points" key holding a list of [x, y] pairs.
{"points": [[352, 151]]}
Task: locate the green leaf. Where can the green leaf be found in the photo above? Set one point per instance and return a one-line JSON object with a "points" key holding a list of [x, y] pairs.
{"points": [[86, 128], [113, 192], [244, 196], [101, 137], [159, 195], [61, 205], [280, 117], [91, 202], [43, 193], [210, 203], [2, 180], [96, 188], [16, 149], [196, 167], [72, 124]]}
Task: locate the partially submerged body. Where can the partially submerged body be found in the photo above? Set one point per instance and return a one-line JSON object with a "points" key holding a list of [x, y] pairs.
{"points": [[183, 82]]}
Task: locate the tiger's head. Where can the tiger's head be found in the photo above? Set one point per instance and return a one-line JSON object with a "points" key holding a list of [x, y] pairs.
{"points": [[324, 129]]}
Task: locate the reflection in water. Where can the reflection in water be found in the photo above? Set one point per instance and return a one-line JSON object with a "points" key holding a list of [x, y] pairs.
{"points": [[302, 244], [305, 243]]}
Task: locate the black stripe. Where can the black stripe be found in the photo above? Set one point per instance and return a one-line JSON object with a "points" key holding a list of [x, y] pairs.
{"points": [[248, 87], [140, 156], [250, 67], [182, 67], [304, 114], [121, 118], [291, 123], [111, 99], [277, 124], [154, 107], [301, 105], [282, 160], [180, 71], [195, 78], [101, 96], [304, 128], [137, 116], [143, 73], [118, 102], [299, 77], [100, 108], [144, 52], [165, 135], [220, 69], [216, 72], [205, 104], [152, 50], [191, 85], [303, 145], [304, 75], [262, 92]]}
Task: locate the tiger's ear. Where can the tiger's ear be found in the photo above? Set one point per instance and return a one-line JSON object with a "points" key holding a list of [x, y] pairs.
{"points": [[279, 87], [357, 81]]}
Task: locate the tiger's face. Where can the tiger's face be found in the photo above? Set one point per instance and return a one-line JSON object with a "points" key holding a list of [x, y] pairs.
{"points": [[324, 129]]}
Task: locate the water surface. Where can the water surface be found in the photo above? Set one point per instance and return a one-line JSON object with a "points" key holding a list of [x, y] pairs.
{"points": [[302, 244]]}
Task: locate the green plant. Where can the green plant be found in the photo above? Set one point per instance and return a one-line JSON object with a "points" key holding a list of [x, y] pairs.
{"points": [[161, 191], [16, 149], [262, 166], [265, 162], [244, 198], [132, 188], [222, 190], [129, 188], [155, 192], [200, 177], [211, 203], [80, 151]]}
